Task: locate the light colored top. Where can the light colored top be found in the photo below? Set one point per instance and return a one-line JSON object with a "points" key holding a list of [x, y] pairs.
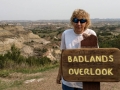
{"points": [[71, 40]]}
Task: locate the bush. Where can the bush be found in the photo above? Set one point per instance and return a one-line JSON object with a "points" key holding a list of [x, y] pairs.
{"points": [[2, 61], [4, 73], [13, 59], [44, 60], [34, 61], [13, 54]]}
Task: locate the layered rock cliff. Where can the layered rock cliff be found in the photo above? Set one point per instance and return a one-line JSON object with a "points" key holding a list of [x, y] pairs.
{"points": [[25, 40]]}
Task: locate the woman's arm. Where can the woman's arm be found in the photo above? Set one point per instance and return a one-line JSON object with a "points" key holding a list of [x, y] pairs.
{"points": [[59, 76]]}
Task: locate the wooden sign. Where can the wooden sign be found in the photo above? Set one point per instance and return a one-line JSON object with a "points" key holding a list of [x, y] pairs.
{"points": [[90, 42], [91, 64]]}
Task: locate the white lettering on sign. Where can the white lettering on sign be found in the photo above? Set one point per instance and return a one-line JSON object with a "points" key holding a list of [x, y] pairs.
{"points": [[102, 58], [90, 71]]}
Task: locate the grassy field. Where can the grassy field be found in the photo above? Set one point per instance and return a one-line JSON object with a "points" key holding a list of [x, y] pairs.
{"points": [[10, 79]]}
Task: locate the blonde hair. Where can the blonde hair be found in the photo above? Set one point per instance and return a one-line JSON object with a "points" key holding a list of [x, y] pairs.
{"points": [[82, 14]]}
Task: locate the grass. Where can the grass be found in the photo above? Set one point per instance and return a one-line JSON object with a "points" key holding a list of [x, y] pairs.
{"points": [[36, 69], [15, 78]]}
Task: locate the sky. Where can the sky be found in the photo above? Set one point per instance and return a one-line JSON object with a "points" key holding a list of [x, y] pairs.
{"points": [[57, 9]]}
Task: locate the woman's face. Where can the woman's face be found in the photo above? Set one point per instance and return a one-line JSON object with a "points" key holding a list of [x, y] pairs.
{"points": [[79, 25]]}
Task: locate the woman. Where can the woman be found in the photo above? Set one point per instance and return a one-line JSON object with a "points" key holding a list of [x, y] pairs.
{"points": [[71, 39]]}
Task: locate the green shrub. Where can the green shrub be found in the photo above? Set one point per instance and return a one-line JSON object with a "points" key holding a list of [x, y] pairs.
{"points": [[14, 54], [2, 61], [14, 60], [4, 73]]}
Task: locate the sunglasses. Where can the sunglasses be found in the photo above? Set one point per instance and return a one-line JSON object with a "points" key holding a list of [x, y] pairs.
{"points": [[75, 20]]}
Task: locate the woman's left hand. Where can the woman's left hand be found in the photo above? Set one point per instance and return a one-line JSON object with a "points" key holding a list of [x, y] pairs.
{"points": [[85, 35]]}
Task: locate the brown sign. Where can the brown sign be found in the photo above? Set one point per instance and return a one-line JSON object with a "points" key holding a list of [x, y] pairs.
{"points": [[91, 64], [89, 42]]}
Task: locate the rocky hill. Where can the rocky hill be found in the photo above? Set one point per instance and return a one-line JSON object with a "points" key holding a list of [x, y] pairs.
{"points": [[29, 44]]}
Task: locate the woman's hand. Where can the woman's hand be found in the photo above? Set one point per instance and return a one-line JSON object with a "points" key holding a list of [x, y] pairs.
{"points": [[58, 80], [85, 35]]}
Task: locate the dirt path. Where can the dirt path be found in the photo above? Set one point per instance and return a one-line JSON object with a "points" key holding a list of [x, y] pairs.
{"points": [[48, 82]]}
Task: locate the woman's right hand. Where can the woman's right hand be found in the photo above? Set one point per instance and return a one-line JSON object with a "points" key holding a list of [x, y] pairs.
{"points": [[85, 35], [58, 80]]}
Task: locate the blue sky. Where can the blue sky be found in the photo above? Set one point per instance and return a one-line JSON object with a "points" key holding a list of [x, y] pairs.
{"points": [[56, 9]]}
